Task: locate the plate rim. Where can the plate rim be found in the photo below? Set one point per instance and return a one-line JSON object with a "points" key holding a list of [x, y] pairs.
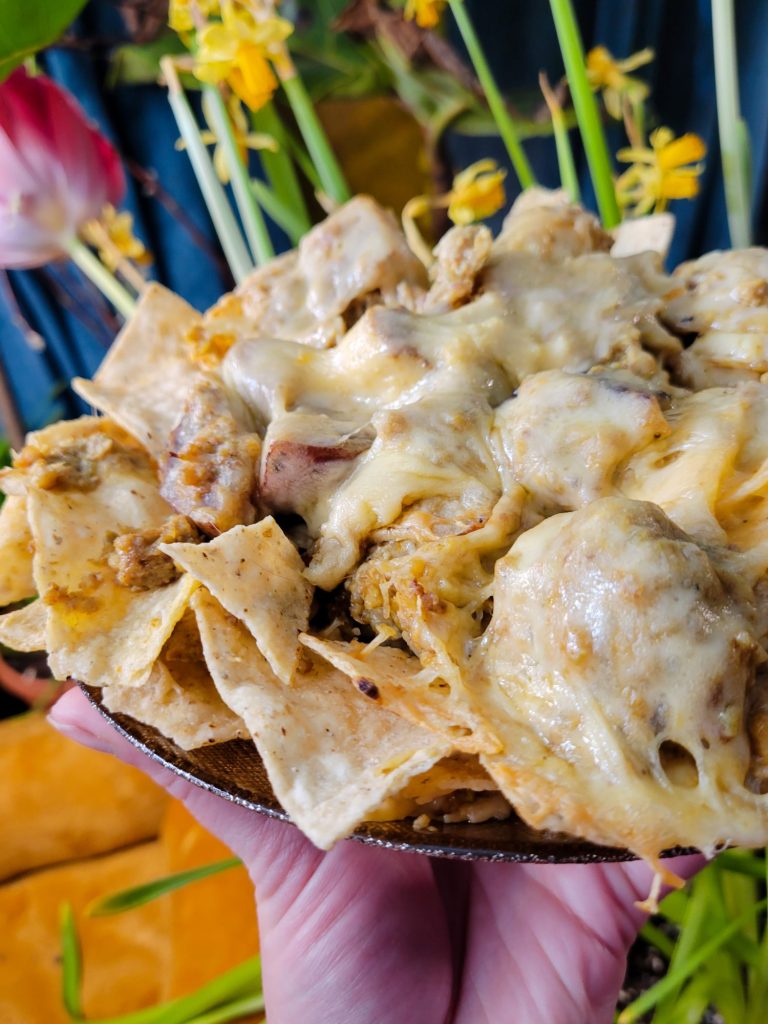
{"points": [[553, 848]]}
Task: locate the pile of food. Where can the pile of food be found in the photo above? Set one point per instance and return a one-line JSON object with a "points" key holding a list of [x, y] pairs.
{"points": [[442, 543]]}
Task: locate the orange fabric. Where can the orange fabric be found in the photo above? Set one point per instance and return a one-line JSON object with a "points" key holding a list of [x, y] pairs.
{"points": [[125, 957], [213, 922], [59, 801]]}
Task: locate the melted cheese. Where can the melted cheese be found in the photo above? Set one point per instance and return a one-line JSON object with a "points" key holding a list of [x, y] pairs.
{"points": [[621, 663]]}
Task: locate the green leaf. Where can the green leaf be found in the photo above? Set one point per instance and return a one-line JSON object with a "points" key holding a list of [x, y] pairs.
{"points": [[71, 964], [140, 65], [27, 26], [128, 899]]}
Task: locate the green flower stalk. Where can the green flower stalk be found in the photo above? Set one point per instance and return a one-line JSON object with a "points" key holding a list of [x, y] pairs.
{"points": [[498, 108], [587, 113], [215, 197], [250, 212], [329, 172], [569, 178], [101, 276], [734, 137]]}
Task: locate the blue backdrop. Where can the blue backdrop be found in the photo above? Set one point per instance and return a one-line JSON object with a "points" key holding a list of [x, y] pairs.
{"points": [[76, 327]]}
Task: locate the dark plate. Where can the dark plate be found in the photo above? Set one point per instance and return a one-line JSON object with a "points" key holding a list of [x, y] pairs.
{"points": [[235, 771]]}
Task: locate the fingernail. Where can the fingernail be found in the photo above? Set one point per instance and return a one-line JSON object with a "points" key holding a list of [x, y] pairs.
{"points": [[77, 733]]}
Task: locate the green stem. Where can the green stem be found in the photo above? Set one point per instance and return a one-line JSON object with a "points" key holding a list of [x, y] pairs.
{"points": [[587, 112], [71, 964], [495, 100], [734, 138], [569, 178], [284, 216], [102, 277], [242, 982], [235, 1010], [137, 896], [250, 212], [328, 169], [213, 193], [279, 169]]}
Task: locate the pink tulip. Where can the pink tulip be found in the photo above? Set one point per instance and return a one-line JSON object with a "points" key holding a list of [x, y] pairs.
{"points": [[56, 170]]}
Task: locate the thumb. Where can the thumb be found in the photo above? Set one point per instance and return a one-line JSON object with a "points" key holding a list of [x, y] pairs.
{"points": [[335, 927]]}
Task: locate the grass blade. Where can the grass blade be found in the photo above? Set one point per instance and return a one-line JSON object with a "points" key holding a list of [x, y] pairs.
{"points": [[232, 1011], [656, 937], [127, 899], [71, 964], [675, 978], [240, 983]]}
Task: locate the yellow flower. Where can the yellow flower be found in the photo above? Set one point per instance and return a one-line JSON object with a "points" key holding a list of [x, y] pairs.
{"points": [[186, 15], [238, 49], [668, 169], [610, 75], [427, 13], [477, 193], [111, 234]]}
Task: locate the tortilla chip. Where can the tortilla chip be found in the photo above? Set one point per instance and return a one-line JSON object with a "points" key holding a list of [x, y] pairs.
{"points": [[54, 441], [646, 234], [99, 631], [403, 687], [332, 755], [185, 707], [24, 629], [148, 371], [257, 575], [16, 583]]}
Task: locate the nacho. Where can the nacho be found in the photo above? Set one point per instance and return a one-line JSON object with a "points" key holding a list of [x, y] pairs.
{"points": [[99, 631], [257, 575], [185, 706], [396, 679], [16, 583], [24, 629], [143, 381], [332, 755]]}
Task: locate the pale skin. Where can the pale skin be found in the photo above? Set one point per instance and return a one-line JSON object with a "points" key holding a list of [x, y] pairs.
{"points": [[366, 936]]}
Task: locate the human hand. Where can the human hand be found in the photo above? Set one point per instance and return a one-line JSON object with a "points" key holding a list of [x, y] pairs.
{"points": [[367, 936]]}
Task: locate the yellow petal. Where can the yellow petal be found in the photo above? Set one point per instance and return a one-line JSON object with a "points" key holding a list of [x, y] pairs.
{"points": [[688, 149], [636, 60], [680, 186]]}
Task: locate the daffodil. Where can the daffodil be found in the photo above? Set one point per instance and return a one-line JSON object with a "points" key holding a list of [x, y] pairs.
{"points": [[667, 169], [238, 50], [187, 15], [426, 13], [477, 193], [610, 76]]}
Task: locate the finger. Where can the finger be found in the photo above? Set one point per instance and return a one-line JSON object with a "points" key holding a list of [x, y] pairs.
{"points": [[337, 929]]}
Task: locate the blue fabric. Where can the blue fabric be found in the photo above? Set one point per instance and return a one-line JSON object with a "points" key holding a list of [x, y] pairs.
{"points": [[519, 37]]}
